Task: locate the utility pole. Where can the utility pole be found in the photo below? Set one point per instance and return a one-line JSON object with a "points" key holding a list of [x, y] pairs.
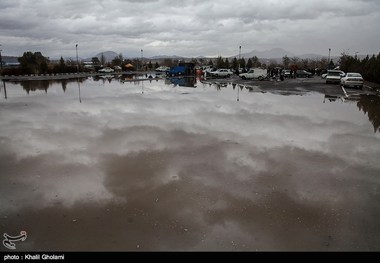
{"points": [[76, 49]]}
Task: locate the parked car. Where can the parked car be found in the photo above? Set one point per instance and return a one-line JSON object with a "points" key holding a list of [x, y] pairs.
{"points": [[286, 73], [106, 70], [256, 73], [352, 79], [303, 74], [208, 70], [221, 73], [334, 76], [162, 69], [324, 75]]}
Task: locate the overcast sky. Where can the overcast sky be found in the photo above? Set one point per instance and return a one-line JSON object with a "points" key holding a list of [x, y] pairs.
{"points": [[188, 27]]}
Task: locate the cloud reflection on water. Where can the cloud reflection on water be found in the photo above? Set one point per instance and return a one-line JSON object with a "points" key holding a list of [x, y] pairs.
{"points": [[190, 171]]}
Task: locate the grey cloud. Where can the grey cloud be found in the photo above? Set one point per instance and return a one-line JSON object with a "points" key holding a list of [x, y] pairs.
{"points": [[11, 26], [189, 28]]}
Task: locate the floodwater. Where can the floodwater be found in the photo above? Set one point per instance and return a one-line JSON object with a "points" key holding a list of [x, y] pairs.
{"points": [[105, 165]]}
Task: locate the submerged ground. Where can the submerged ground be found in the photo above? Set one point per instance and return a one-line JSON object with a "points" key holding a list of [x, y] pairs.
{"points": [[106, 165]]}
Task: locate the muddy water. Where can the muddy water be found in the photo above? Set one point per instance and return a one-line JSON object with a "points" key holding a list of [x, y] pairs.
{"points": [[104, 165]]}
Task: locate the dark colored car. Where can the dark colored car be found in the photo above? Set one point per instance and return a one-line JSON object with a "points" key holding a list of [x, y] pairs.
{"points": [[303, 74]]}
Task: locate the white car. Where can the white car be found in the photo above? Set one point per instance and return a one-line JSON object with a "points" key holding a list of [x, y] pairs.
{"points": [[334, 76], [162, 69], [352, 79], [106, 70], [325, 74], [208, 70], [221, 73]]}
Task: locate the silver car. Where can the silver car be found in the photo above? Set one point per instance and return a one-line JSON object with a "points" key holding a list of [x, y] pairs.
{"points": [[352, 79], [221, 73]]}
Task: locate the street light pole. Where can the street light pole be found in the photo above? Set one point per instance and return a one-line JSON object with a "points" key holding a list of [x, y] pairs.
{"points": [[142, 60], [1, 59], [76, 49], [329, 54], [239, 58]]}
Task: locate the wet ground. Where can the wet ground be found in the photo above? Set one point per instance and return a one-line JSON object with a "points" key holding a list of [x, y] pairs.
{"points": [[106, 165]]}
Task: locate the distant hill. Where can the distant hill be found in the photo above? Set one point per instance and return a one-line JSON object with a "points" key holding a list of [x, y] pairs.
{"points": [[311, 55], [166, 56], [273, 54], [108, 55], [269, 54], [276, 53]]}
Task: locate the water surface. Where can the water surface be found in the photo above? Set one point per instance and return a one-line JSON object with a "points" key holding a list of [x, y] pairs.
{"points": [[158, 165]]}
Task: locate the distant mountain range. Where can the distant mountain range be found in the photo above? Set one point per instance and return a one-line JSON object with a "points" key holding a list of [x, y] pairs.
{"points": [[166, 56], [276, 53], [271, 54]]}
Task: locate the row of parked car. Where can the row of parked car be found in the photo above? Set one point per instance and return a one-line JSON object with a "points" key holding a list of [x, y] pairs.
{"points": [[255, 73], [350, 79]]}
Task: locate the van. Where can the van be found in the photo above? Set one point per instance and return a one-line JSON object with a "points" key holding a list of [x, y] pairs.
{"points": [[255, 73]]}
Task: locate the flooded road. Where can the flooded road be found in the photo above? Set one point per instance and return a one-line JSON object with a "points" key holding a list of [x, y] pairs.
{"points": [[152, 165]]}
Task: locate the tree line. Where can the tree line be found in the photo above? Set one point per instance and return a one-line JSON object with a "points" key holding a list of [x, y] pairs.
{"points": [[36, 63], [369, 67]]}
